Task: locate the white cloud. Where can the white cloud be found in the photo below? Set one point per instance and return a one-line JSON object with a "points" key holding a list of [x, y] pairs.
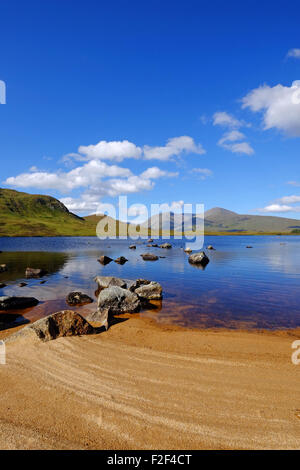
{"points": [[222, 118], [114, 150], [289, 199], [202, 172], [174, 147], [277, 208], [229, 141], [155, 172], [295, 53], [280, 106], [82, 176]]}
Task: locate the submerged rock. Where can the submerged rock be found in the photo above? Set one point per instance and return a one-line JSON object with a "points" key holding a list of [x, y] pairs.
{"points": [[35, 273], [199, 258], [121, 260], [113, 301], [64, 323], [109, 281], [77, 298], [149, 257], [166, 246], [249, 246], [104, 260], [132, 247], [16, 303]]}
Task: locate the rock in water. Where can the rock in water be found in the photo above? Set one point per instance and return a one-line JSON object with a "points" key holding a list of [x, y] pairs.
{"points": [[149, 257], [150, 291], [104, 260], [3, 268], [16, 303], [210, 247], [64, 323], [132, 247], [166, 246], [77, 298], [188, 250], [121, 260], [199, 258], [34, 273], [150, 240], [109, 281], [2, 285], [113, 301], [23, 284]]}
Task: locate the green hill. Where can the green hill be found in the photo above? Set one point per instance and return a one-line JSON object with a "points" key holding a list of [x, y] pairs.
{"points": [[23, 214]]}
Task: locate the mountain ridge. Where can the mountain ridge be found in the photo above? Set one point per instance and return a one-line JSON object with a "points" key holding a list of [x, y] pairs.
{"points": [[23, 214]]}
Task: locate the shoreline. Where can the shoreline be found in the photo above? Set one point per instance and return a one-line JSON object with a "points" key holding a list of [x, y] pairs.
{"points": [[144, 385]]}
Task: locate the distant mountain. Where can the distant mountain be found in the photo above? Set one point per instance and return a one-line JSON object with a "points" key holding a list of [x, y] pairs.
{"points": [[219, 220]]}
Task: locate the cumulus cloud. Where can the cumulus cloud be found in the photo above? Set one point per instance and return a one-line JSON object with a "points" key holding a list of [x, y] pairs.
{"points": [[174, 147], [230, 141], [155, 172], [81, 176], [119, 150], [222, 118], [277, 208], [279, 105], [114, 150], [295, 53]]}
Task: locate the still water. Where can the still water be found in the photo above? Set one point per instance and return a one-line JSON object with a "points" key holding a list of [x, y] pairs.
{"points": [[239, 288]]}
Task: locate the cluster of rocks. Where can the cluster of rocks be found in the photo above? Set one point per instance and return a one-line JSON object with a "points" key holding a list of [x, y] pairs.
{"points": [[123, 296], [104, 260]]}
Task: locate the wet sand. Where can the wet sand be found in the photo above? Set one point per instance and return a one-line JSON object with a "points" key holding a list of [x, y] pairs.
{"points": [[147, 386]]}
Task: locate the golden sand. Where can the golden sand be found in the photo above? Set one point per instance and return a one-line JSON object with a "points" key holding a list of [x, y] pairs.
{"points": [[146, 386]]}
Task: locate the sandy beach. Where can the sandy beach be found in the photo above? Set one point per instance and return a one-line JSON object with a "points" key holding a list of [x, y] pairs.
{"points": [[143, 385]]}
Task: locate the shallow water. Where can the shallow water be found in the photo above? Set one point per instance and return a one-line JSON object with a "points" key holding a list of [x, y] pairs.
{"points": [[240, 287]]}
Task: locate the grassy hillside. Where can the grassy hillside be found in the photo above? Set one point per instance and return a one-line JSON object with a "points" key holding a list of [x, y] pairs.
{"points": [[23, 214]]}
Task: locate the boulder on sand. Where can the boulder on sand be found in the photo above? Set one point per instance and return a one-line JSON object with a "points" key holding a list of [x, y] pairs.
{"points": [[34, 273], [78, 298], [166, 246], [199, 258], [109, 281], [113, 301], [16, 303], [64, 323], [104, 260], [121, 260], [149, 257]]}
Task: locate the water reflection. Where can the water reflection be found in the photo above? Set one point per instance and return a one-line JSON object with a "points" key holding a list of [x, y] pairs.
{"points": [[255, 288]]}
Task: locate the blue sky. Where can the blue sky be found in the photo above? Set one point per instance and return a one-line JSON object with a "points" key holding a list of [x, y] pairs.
{"points": [[161, 101]]}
